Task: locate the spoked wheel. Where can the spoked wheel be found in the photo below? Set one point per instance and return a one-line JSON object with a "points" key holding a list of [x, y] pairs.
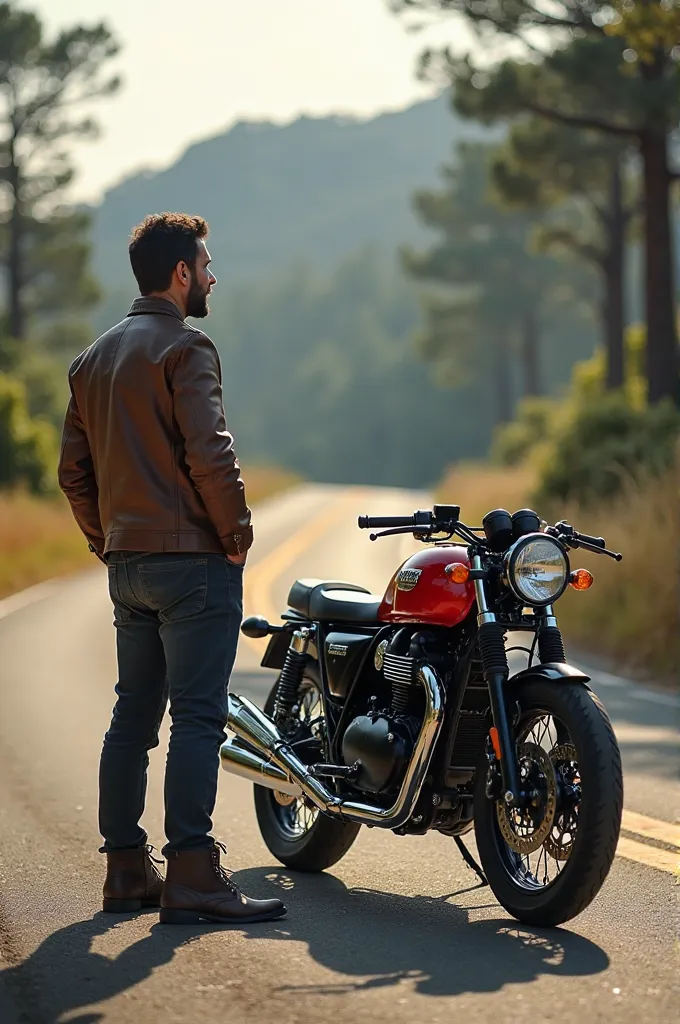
{"points": [[547, 860], [293, 829]]}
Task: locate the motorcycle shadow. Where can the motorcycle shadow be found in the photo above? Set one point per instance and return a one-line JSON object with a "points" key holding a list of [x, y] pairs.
{"points": [[382, 939]]}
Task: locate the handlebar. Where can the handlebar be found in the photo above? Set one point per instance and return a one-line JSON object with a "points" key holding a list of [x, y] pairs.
{"points": [[440, 517], [446, 519], [378, 522], [597, 542]]}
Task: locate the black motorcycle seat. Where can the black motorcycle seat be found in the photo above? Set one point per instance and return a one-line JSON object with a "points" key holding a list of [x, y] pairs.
{"points": [[333, 601]]}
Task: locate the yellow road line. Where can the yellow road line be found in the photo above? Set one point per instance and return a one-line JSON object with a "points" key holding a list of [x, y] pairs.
{"points": [[652, 828], [260, 579], [651, 856]]}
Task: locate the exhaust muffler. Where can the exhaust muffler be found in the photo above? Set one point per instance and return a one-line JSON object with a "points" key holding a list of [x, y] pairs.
{"points": [[238, 760], [270, 761]]}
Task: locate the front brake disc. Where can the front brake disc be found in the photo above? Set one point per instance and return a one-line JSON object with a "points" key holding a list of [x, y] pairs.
{"points": [[562, 835], [518, 825]]}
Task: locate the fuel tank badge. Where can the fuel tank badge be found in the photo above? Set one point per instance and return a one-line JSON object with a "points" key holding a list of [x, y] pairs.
{"points": [[408, 579]]}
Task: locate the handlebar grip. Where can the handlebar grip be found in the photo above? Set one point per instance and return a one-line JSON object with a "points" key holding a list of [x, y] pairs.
{"points": [[378, 522], [597, 542]]}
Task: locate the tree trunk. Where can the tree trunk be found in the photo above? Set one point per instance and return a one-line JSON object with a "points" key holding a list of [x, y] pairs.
{"points": [[503, 404], [662, 363], [613, 269], [17, 325], [530, 354]]}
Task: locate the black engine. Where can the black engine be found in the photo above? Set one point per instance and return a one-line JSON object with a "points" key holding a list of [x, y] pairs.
{"points": [[383, 746], [382, 739]]}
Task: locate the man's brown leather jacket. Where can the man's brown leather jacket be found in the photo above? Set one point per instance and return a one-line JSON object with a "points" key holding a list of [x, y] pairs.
{"points": [[147, 462]]}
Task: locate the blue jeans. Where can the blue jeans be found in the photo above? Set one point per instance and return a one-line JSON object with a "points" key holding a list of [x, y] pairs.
{"points": [[177, 619]]}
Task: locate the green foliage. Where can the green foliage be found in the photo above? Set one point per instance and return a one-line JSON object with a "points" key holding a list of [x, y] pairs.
{"points": [[589, 376], [45, 379], [28, 446], [588, 445], [602, 445], [533, 426]]}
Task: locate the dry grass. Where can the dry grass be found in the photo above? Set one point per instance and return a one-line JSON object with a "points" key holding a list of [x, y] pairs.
{"points": [[632, 613], [39, 539], [266, 481], [478, 488]]}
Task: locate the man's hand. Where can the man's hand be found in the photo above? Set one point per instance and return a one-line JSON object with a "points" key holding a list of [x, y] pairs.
{"points": [[237, 559]]}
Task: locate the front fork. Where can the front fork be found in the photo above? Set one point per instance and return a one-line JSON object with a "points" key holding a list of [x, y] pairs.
{"points": [[496, 672]]}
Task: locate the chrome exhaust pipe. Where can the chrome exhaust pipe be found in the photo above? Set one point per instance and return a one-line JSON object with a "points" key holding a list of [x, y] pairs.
{"points": [[238, 760], [258, 731]]}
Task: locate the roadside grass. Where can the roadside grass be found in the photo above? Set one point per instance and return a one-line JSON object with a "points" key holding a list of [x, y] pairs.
{"points": [[478, 488], [631, 616], [39, 538]]}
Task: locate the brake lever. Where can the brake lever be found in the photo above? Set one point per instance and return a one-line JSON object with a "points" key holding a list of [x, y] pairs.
{"points": [[597, 550], [571, 537], [399, 529]]}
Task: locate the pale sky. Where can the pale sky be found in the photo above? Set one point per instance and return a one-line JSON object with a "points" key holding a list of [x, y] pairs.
{"points": [[192, 69]]}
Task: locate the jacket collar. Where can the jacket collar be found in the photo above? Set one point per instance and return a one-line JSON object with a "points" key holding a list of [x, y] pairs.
{"points": [[149, 304]]}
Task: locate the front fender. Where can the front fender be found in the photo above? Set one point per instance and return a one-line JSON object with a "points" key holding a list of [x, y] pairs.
{"points": [[554, 670]]}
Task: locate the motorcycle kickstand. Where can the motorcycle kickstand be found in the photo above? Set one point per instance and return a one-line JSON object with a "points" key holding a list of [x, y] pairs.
{"points": [[470, 861]]}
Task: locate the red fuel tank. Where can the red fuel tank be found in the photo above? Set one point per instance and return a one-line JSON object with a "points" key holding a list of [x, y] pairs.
{"points": [[421, 592]]}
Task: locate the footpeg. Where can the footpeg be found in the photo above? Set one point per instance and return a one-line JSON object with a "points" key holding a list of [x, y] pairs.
{"points": [[336, 771]]}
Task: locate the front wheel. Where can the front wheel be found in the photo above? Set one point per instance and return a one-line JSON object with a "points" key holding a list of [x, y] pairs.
{"points": [[547, 862], [295, 831]]}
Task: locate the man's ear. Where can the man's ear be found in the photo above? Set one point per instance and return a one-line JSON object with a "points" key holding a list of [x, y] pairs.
{"points": [[182, 272]]}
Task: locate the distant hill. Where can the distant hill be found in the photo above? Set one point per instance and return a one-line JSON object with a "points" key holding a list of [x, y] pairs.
{"points": [[313, 191]]}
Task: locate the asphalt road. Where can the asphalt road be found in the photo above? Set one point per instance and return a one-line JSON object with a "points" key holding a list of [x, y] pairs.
{"points": [[398, 931]]}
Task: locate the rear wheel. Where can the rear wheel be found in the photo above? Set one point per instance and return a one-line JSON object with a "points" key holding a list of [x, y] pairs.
{"points": [[547, 862], [293, 829]]}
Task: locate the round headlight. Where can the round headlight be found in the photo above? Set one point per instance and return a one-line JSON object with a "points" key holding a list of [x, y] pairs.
{"points": [[537, 569]]}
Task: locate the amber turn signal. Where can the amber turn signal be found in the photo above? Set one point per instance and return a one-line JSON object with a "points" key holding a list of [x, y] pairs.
{"points": [[457, 572], [581, 579]]}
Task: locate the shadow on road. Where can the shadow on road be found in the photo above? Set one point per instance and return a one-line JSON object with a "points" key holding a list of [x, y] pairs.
{"points": [[374, 939], [64, 973], [380, 938]]}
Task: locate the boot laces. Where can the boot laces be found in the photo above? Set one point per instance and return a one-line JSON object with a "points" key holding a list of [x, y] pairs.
{"points": [[223, 873], [150, 853]]}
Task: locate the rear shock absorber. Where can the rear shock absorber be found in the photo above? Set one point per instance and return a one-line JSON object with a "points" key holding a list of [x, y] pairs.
{"points": [[292, 672]]}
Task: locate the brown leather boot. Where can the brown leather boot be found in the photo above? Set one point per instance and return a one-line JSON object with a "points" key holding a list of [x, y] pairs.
{"points": [[197, 889], [132, 881]]}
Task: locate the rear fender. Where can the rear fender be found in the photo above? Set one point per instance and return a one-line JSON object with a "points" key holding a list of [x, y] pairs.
{"points": [[275, 654], [276, 651]]}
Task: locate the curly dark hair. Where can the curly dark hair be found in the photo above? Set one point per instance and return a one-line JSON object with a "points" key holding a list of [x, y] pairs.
{"points": [[159, 243]]}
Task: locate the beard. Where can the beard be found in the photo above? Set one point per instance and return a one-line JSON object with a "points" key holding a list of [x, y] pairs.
{"points": [[197, 301]]}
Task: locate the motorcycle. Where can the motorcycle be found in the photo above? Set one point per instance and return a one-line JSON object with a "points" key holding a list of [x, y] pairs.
{"points": [[401, 713]]}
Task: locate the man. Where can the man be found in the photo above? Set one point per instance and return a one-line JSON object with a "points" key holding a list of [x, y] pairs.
{"points": [[149, 469]]}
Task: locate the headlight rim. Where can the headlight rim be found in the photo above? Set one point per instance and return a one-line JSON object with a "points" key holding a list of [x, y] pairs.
{"points": [[510, 560]]}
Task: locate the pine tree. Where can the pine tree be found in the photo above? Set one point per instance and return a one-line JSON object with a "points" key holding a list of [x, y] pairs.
{"points": [[43, 84]]}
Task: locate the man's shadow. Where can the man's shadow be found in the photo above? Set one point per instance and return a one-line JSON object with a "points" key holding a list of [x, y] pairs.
{"points": [[375, 939]]}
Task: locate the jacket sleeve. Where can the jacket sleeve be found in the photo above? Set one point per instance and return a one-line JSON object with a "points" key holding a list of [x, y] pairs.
{"points": [[196, 385], [77, 478]]}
